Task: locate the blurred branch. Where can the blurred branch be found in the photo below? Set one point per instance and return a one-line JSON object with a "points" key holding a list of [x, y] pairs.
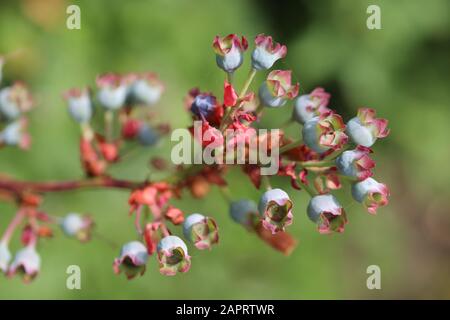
{"points": [[17, 187]]}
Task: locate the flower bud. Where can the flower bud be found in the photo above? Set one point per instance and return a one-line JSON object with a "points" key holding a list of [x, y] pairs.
{"points": [[15, 134], [75, 225], [147, 136], [130, 129], [371, 194], [266, 52], [275, 210], [113, 91], [229, 51], [203, 105], [5, 256], [326, 211], [277, 89], [132, 259], [173, 256], [27, 263], [356, 163], [15, 100], [147, 89], [308, 106], [79, 104], [244, 212], [201, 230], [364, 129], [324, 132]]}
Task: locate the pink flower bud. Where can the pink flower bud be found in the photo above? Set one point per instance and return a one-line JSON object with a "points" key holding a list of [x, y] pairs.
{"points": [[229, 51], [173, 256], [201, 230], [364, 129], [146, 89], [16, 134], [326, 211], [75, 225], [113, 90], [79, 104], [275, 210], [356, 163], [308, 106], [15, 100], [277, 89], [371, 194], [130, 129], [132, 259], [26, 262], [266, 52], [325, 132]]}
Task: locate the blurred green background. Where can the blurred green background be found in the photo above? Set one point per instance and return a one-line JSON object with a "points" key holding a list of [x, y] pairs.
{"points": [[401, 70]]}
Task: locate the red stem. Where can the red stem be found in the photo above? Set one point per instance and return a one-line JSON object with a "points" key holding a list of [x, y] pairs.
{"points": [[12, 226], [19, 187]]}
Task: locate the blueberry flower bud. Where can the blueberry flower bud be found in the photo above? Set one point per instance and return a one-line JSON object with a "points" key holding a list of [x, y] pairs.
{"points": [[132, 259], [5, 256], [371, 194], [147, 135], [326, 211], [266, 52], [14, 101], [308, 106], [356, 163], [27, 263], [229, 51], [79, 104], [173, 256], [364, 129], [324, 132], [201, 230], [277, 89], [146, 89], [244, 212], [275, 210], [113, 90], [75, 225], [15, 134], [203, 105]]}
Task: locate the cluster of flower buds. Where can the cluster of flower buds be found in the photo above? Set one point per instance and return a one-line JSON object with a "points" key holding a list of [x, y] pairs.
{"points": [[15, 102], [33, 225], [172, 252], [124, 100], [326, 153]]}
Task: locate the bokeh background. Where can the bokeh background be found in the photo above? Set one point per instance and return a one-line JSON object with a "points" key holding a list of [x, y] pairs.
{"points": [[401, 70]]}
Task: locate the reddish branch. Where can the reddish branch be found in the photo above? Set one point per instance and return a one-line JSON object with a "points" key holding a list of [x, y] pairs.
{"points": [[18, 188]]}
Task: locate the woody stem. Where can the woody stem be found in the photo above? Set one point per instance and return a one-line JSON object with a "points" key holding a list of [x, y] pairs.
{"points": [[17, 187]]}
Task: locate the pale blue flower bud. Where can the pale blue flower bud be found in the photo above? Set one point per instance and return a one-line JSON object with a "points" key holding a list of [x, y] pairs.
{"points": [[243, 211], [5, 256], [147, 135]]}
